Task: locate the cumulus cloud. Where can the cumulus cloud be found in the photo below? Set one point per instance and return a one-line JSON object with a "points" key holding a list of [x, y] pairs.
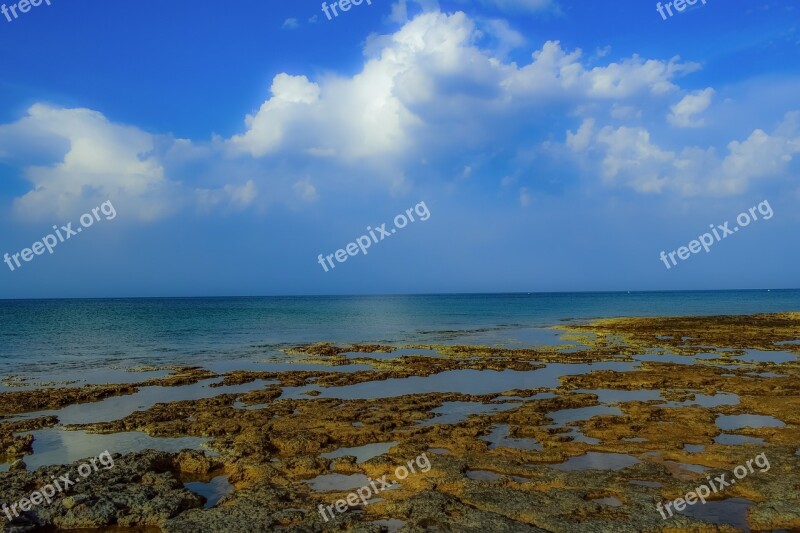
{"points": [[556, 73], [759, 156], [294, 100], [627, 156], [628, 152], [683, 114], [428, 78], [432, 90], [82, 159], [88, 159], [507, 37], [581, 139]]}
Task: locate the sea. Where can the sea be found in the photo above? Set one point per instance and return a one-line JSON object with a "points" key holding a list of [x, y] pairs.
{"points": [[71, 334]]}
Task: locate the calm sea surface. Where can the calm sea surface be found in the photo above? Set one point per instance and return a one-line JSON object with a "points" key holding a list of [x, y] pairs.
{"points": [[48, 335]]}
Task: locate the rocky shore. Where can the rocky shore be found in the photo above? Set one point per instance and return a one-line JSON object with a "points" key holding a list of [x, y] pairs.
{"points": [[646, 434]]}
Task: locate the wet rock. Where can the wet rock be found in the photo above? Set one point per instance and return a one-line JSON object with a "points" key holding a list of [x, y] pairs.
{"points": [[269, 453], [71, 501], [13, 446], [140, 489], [196, 462], [37, 400]]}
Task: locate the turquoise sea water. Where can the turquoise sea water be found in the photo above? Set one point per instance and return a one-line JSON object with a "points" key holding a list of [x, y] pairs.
{"points": [[51, 335]]}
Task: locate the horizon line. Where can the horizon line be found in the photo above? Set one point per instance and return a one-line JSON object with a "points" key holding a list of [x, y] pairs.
{"points": [[365, 295]]}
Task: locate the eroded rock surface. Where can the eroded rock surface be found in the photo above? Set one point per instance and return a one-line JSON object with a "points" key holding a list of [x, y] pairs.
{"points": [[655, 440]]}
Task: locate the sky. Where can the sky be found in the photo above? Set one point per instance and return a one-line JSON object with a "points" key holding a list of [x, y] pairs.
{"points": [[556, 145]]}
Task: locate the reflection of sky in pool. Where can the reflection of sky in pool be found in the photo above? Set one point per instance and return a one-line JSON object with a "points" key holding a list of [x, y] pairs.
{"points": [[732, 511], [330, 482], [730, 422], [58, 447], [116, 407], [758, 356], [736, 440], [463, 381], [597, 461], [212, 490], [483, 475], [361, 453], [499, 438], [455, 412]]}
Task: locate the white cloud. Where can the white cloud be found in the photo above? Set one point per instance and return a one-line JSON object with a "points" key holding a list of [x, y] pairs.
{"points": [[625, 112], [629, 153], [91, 160], [558, 74], [580, 140], [84, 159], [290, 24], [507, 38], [305, 190], [425, 92], [628, 157], [293, 98], [232, 197], [429, 84], [683, 113], [759, 156], [243, 196]]}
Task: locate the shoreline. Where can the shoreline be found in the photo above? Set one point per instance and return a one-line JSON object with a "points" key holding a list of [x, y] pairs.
{"points": [[510, 432]]}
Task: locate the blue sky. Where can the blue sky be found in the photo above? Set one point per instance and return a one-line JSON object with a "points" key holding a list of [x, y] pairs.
{"points": [[560, 145]]}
